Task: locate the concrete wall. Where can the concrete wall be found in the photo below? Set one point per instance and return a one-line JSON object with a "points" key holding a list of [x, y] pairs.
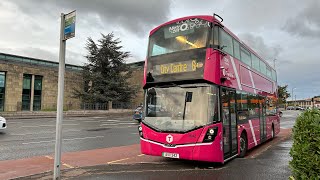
{"points": [[14, 83]]}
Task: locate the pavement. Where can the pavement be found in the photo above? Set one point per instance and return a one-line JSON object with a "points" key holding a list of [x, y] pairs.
{"points": [[71, 113], [268, 161]]}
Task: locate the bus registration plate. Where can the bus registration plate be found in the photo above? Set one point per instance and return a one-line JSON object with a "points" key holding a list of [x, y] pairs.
{"points": [[170, 155]]}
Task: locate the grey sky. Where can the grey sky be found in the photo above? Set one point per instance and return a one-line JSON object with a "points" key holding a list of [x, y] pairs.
{"points": [[287, 30]]}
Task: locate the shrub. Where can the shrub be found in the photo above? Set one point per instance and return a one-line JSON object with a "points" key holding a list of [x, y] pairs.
{"points": [[305, 151]]}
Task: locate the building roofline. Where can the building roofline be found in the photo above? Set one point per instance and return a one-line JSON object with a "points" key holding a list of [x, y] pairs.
{"points": [[136, 64], [29, 60]]}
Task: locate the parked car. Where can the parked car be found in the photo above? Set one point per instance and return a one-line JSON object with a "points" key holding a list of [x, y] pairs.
{"points": [[3, 123], [300, 108], [290, 108]]}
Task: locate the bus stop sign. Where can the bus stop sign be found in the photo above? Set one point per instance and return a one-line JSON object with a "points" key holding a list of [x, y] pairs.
{"points": [[69, 25]]}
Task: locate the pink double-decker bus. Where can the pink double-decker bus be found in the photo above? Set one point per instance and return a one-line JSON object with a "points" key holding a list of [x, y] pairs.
{"points": [[208, 96]]}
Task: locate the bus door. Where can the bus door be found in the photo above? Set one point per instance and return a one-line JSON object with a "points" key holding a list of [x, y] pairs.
{"points": [[229, 119], [263, 123]]}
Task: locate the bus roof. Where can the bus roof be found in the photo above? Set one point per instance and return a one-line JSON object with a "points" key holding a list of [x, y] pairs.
{"points": [[216, 21]]}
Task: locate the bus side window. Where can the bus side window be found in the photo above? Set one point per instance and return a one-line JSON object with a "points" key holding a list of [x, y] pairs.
{"points": [[226, 43], [236, 49], [253, 106], [245, 56], [242, 106], [215, 36], [271, 107]]}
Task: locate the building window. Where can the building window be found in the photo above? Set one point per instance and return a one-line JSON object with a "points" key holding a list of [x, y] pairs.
{"points": [[26, 92], [37, 93], [2, 89]]}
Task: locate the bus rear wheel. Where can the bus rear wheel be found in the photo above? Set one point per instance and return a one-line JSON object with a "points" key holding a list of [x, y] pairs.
{"points": [[243, 145]]}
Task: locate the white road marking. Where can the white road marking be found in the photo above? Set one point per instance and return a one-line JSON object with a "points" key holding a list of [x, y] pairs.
{"points": [[71, 130], [72, 139], [38, 142], [47, 132], [110, 120], [83, 138], [29, 126], [48, 125], [21, 134], [117, 124]]}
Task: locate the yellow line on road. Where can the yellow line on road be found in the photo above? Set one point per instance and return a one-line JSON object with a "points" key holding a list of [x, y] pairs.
{"points": [[110, 162], [141, 155], [67, 165], [49, 157]]}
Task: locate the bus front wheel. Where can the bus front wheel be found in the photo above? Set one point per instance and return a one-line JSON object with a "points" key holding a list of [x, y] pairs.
{"points": [[243, 145]]}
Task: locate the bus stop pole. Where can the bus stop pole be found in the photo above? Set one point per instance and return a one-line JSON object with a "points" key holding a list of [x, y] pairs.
{"points": [[57, 157]]}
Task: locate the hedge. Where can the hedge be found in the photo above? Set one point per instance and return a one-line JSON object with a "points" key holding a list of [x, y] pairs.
{"points": [[305, 151]]}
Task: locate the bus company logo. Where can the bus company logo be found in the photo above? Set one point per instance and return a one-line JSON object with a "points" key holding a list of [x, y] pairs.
{"points": [[226, 61], [188, 24], [226, 74], [169, 138]]}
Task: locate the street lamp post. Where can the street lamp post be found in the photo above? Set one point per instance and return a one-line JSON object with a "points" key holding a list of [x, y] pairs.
{"points": [[292, 94]]}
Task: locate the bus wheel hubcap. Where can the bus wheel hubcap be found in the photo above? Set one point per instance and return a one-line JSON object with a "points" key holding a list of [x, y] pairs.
{"points": [[242, 144]]}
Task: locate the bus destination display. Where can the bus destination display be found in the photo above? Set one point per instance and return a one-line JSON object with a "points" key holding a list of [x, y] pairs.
{"points": [[178, 67]]}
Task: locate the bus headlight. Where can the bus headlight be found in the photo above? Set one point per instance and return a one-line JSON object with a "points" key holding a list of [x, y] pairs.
{"points": [[211, 134], [140, 131]]}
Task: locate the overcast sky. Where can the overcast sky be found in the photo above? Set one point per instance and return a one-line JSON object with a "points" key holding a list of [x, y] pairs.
{"points": [[287, 30]]}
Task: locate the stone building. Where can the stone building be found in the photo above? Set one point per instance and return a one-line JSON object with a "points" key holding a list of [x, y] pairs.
{"points": [[29, 84], [137, 80], [305, 103]]}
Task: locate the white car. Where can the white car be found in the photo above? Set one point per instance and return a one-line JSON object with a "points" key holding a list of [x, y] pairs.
{"points": [[3, 123]]}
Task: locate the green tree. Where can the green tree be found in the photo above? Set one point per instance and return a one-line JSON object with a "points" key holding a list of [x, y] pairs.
{"points": [[106, 74], [283, 94]]}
